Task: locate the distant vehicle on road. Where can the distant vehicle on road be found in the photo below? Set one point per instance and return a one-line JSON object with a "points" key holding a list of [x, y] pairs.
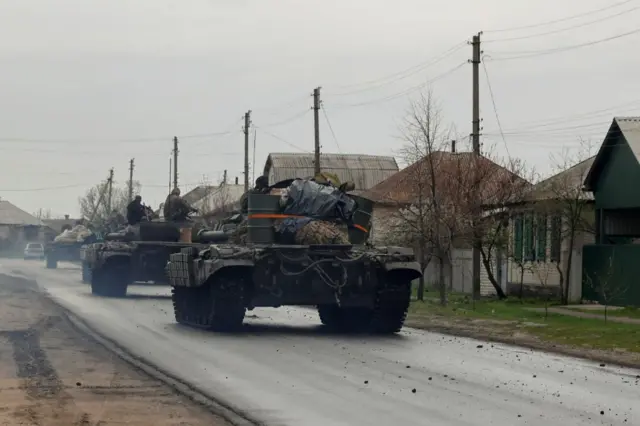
{"points": [[34, 251]]}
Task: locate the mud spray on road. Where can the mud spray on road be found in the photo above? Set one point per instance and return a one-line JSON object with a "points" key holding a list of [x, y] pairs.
{"points": [[51, 374]]}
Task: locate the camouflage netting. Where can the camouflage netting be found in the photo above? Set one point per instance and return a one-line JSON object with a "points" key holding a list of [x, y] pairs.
{"points": [[320, 232]]}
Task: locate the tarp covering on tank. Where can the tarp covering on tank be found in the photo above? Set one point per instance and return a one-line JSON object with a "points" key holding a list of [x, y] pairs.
{"points": [[76, 234], [311, 199]]}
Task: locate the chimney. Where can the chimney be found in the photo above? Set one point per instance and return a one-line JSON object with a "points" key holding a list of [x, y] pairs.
{"points": [[66, 217], [236, 180], [453, 146]]}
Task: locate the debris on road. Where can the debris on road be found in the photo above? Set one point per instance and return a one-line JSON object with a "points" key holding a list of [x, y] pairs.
{"points": [[51, 374]]}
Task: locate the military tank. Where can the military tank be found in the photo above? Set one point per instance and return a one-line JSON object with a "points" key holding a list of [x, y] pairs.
{"points": [[67, 249], [353, 285], [139, 254]]}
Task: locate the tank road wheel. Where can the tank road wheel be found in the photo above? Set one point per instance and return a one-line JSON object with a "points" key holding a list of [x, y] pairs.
{"points": [[86, 273], [391, 307], [111, 281], [386, 317], [217, 305], [51, 261]]}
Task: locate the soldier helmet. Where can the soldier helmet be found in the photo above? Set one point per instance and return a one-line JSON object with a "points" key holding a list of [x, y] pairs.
{"points": [[138, 198], [175, 191], [262, 181]]}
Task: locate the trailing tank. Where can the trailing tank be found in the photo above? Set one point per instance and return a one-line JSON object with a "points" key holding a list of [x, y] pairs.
{"points": [[295, 251], [140, 254]]}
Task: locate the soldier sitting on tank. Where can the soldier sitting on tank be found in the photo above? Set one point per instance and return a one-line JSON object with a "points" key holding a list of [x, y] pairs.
{"points": [[262, 187], [176, 208], [135, 211]]}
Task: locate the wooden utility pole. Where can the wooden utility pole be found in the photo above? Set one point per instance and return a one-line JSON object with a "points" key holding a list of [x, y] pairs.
{"points": [[130, 180], [475, 122], [247, 124], [110, 189], [224, 178], [175, 162], [316, 123]]}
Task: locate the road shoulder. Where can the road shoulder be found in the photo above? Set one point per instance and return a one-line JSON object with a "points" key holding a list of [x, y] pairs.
{"points": [[52, 374]]}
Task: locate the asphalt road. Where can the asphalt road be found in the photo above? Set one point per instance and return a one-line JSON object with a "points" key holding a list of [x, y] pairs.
{"points": [[285, 370]]}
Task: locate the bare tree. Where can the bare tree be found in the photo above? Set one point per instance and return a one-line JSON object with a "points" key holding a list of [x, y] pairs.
{"points": [[420, 221], [501, 184], [43, 214], [91, 205], [572, 206], [606, 286], [542, 272]]}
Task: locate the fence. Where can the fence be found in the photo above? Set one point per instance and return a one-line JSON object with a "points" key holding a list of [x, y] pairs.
{"points": [[611, 272]]}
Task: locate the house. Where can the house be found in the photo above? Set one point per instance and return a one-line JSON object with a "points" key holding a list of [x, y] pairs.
{"points": [[219, 200], [17, 227], [547, 229], [365, 171], [445, 178], [611, 265]]}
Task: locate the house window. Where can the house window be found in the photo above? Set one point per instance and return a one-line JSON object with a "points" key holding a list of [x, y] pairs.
{"points": [[541, 238], [556, 238], [517, 238], [529, 245]]}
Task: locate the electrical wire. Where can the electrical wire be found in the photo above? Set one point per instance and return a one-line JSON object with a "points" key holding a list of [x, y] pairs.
{"points": [[561, 30], [568, 18], [281, 139], [399, 73], [404, 74], [333, 134], [288, 120], [405, 92], [495, 109], [574, 117], [535, 53]]}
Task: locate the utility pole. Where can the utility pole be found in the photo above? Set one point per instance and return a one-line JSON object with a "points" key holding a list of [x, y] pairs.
{"points": [[316, 123], [110, 186], [224, 178], [130, 180], [247, 124], [175, 161], [475, 121]]}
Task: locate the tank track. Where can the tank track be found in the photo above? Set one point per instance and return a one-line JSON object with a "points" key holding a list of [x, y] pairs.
{"points": [[387, 316], [217, 305]]}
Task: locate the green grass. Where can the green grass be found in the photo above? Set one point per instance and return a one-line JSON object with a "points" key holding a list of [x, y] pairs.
{"points": [[508, 316], [629, 312]]}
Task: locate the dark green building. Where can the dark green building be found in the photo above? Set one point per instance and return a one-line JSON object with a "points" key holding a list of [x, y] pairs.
{"points": [[611, 267]]}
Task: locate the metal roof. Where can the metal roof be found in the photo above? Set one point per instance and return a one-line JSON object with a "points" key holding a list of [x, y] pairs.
{"points": [[12, 215], [629, 128], [365, 171]]}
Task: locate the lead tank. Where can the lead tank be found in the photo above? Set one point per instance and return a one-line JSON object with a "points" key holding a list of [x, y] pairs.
{"points": [[353, 285]]}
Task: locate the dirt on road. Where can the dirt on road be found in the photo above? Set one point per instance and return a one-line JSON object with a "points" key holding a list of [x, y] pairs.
{"points": [[51, 374]]}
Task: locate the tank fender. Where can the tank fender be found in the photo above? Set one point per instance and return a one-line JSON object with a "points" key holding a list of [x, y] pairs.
{"points": [[409, 270], [216, 266], [105, 258]]}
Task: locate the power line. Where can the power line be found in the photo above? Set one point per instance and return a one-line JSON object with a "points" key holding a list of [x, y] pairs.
{"points": [[288, 120], [534, 53], [281, 139], [403, 74], [574, 117], [568, 18], [495, 108], [561, 30], [326, 117], [405, 92]]}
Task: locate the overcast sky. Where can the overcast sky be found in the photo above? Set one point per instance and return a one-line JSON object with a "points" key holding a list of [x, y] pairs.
{"points": [[86, 85]]}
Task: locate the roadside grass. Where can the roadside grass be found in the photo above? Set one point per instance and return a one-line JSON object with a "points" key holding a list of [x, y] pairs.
{"points": [[629, 312], [512, 318]]}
